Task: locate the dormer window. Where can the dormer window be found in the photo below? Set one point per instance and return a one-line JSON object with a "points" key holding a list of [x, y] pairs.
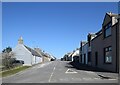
{"points": [[107, 30]]}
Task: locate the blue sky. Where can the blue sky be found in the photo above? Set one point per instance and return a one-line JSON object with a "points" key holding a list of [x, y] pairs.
{"points": [[56, 28]]}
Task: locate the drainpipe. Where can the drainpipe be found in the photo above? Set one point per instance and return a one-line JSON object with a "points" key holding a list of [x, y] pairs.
{"points": [[117, 45], [118, 67], [42, 58]]}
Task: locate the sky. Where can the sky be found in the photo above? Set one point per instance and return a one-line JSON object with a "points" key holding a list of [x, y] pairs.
{"points": [[56, 28]]}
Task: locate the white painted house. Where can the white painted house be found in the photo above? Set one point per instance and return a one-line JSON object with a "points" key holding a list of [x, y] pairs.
{"points": [[75, 55], [26, 54], [84, 53]]}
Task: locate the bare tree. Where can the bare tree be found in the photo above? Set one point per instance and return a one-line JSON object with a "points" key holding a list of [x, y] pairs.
{"points": [[8, 58]]}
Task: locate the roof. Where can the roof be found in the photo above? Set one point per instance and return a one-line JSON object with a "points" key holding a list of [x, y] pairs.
{"points": [[92, 34], [112, 14], [83, 43], [99, 32], [33, 52], [70, 54], [76, 53]]}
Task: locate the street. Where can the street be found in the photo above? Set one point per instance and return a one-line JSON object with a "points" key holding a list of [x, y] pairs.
{"points": [[56, 72]]}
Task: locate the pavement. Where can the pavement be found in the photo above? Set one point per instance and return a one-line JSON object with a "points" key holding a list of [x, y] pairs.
{"points": [[98, 71], [58, 72]]}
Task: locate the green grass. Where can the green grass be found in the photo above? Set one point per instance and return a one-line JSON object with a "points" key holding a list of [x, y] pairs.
{"points": [[13, 71]]}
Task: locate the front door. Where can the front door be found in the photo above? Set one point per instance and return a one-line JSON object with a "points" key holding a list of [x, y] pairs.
{"points": [[84, 58], [96, 58]]}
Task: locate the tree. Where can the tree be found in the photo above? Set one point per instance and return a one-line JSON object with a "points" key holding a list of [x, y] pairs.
{"points": [[7, 50], [7, 58], [4, 50]]}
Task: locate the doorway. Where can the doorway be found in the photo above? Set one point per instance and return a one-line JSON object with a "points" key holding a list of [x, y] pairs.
{"points": [[96, 58], [84, 58]]}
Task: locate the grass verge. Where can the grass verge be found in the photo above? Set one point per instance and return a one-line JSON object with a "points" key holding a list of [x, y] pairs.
{"points": [[13, 71]]}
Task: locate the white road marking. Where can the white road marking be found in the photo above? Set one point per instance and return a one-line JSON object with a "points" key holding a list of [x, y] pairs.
{"points": [[54, 68], [50, 76], [112, 79], [52, 73], [89, 72], [70, 70]]}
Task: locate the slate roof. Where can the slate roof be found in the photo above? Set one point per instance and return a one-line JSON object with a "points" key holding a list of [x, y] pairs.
{"points": [[99, 32], [112, 14], [34, 53]]}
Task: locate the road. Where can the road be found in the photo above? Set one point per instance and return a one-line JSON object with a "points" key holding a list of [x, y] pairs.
{"points": [[56, 72]]}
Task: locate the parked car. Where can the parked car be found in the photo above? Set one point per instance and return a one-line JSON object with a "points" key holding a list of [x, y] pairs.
{"points": [[61, 59], [19, 61]]}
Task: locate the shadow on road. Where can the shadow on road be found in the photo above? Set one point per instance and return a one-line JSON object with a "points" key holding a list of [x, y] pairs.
{"points": [[79, 66]]}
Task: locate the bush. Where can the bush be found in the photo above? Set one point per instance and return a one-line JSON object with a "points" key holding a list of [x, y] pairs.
{"points": [[8, 62], [7, 58]]}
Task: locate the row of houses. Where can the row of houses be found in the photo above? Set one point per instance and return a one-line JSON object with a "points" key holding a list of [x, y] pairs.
{"points": [[29, 55], [101, 49], [72, 56]]}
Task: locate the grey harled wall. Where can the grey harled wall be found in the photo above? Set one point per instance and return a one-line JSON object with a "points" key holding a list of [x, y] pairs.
{"points": [[99, 43]]}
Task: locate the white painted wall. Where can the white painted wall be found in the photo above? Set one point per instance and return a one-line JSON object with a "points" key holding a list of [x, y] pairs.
{"points": [[76, 53], [38, 60], [33, 60], [85, 51], [21, 53], [69, 56]]}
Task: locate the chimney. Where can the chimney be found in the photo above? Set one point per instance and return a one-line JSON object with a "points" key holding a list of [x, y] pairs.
{"points": [[20, 40], [110, 13]]}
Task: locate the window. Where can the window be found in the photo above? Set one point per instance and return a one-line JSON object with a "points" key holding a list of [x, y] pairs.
{"points": [[96, 58], [108, 55], [107, 30]]}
